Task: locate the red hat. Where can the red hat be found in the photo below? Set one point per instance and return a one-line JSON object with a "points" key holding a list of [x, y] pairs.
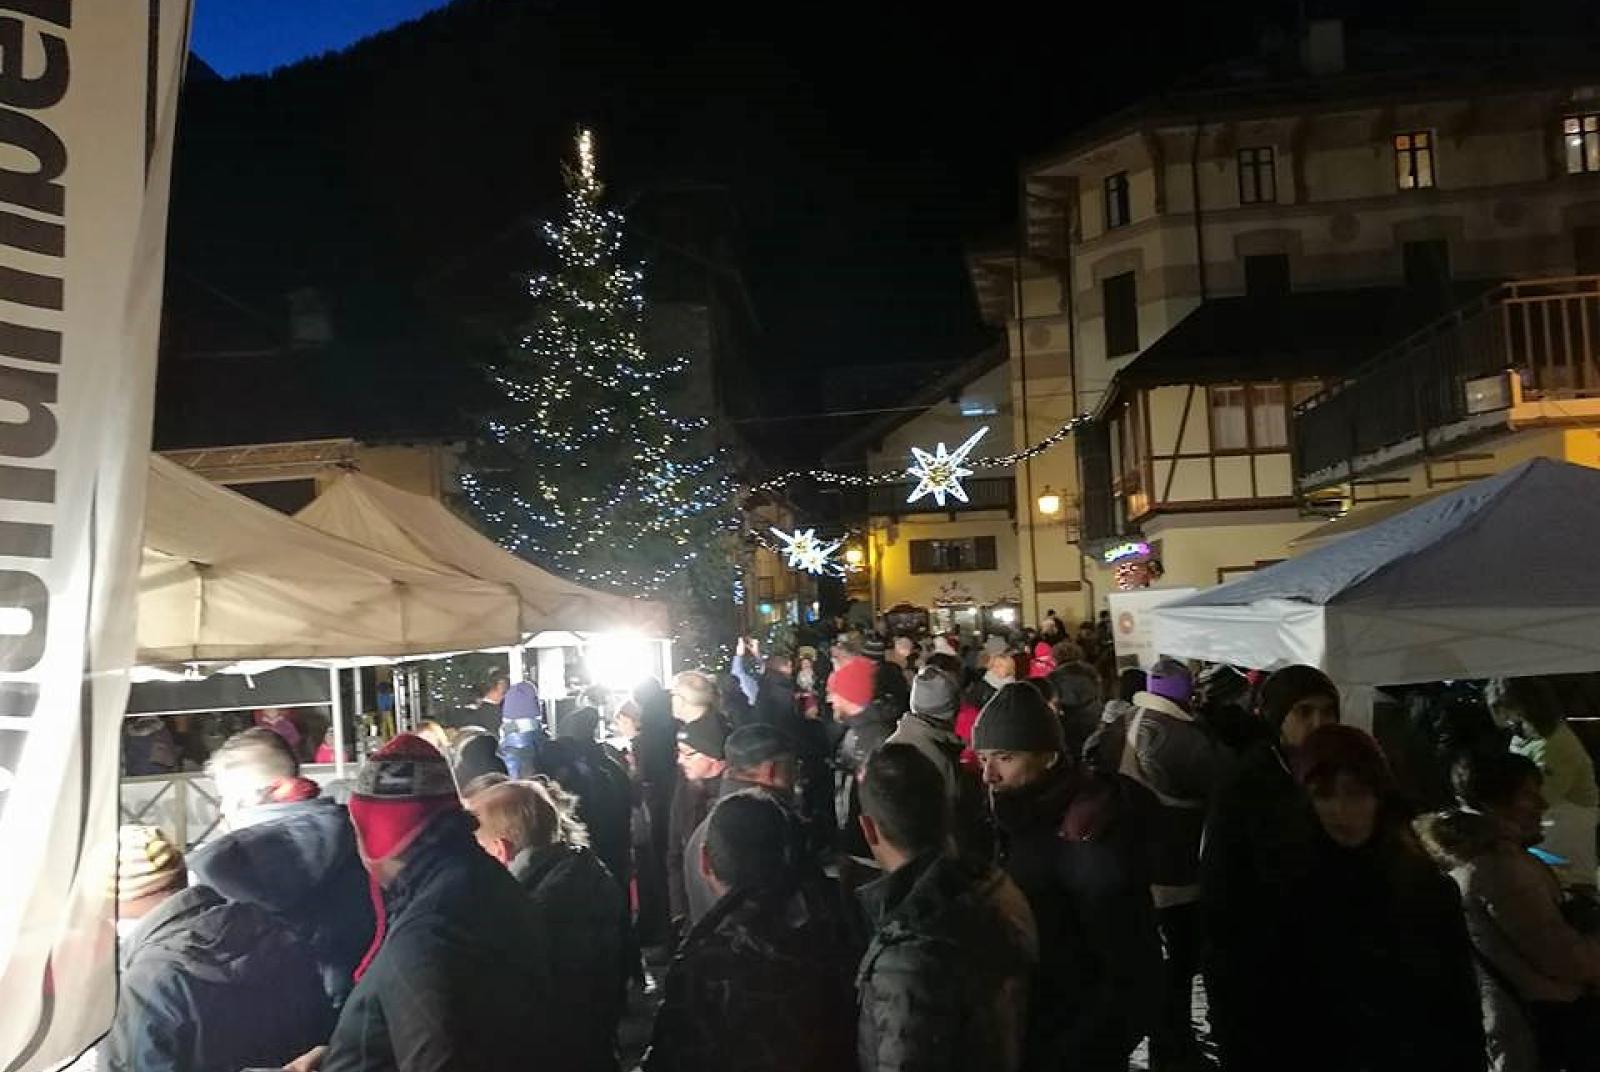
{"points": [[401, 786], [1334, 748], [854, 681]]}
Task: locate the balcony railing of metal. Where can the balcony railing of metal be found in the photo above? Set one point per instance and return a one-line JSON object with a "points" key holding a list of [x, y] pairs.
{"points": [[1546, 330], [983, 493]]}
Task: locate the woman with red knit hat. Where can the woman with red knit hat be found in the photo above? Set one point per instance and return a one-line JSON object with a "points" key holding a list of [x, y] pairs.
{"points": [[1383, 952]]}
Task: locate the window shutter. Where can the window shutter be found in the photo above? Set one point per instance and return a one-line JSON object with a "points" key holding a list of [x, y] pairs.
{"points": [[987, 559]]}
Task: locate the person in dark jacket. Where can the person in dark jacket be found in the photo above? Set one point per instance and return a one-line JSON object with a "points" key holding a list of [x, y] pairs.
{"points": [[702, 758], [580, 764], [206, 984], [522, 730], [458, 976], [1164, 748], [1097, 991], [775, 702], [929, 727], [759, 757], [944, 984], [655, 756], [289, 850], [867, 723], [762, 983], [1383, 952], [1257, 850], [533, 829]]}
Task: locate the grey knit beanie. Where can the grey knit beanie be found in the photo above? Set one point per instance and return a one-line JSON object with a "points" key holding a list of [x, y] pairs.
{"points": [[1018, 720], [934, 695]]}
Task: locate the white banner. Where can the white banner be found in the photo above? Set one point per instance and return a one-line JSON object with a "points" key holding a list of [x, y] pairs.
{"points": [[88, 99], [1131, 634]]}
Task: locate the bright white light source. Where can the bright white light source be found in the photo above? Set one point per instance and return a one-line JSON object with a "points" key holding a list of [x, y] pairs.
{"points": [[939, 474], [618, 661], [805, 551]]}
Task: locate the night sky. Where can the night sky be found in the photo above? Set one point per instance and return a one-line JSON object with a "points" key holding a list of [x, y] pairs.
{"points": [[867, 146]]}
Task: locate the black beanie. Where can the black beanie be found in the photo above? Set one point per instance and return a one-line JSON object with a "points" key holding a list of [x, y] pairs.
{"points": [[1017, 720], [1289, 686], [707, 735]]}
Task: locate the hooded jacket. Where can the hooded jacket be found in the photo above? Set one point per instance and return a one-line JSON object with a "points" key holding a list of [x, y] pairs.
{"points": [[583, 914], [1164, 749], [462, 977], [209, 986], [761, 984], [1099, 976], [298, 860], [1513, 908], [944, 984]]}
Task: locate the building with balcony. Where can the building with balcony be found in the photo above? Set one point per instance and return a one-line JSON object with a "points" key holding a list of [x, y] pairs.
{"points": [[1223, 254]]}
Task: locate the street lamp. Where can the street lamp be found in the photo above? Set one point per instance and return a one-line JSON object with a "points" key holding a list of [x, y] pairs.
{"points": [[1049, 502]]}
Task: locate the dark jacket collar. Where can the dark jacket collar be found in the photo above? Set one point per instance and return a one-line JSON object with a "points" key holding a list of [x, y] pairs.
{"points": [[1042, 804], [530, 867], [446, 840], [882, 897]]}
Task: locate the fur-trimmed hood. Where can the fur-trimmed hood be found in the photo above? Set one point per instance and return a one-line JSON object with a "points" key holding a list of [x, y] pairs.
{"points": [[1457, 838]]}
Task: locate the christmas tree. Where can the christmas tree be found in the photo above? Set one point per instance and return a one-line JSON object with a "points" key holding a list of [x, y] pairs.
{"points": [[582, 467]]}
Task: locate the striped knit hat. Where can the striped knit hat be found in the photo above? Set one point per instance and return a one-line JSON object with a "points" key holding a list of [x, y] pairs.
{"points": [[147, 864]]}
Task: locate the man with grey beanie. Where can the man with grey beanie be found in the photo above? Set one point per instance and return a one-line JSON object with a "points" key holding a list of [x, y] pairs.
{"points": [[929, 727]]}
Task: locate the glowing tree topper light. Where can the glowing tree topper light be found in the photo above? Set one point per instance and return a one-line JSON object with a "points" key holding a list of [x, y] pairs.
{"points": [[805, 551], [939, 474]]}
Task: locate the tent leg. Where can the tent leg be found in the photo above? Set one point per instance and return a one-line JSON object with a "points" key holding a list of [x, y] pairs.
{"points": [[517, 664], [337, 706], [360, 701]]}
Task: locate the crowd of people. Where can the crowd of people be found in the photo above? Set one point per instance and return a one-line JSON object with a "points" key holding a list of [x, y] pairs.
{"points": [[890, 853]]}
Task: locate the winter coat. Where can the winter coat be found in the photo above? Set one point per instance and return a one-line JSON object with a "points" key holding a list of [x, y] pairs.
{"points": [[1525, 949], [972, 829], [211, 986], [1164, 749], [890, 687], [605, 798], [1077, 688], [583, 914], [701, 897], [865, 732], [775, 703], [691, 803], [944, 984], [1258, 850], [761, 984], [462, 979], [298, 860], [1098, 984], [1574, 799], [1383, 953]]}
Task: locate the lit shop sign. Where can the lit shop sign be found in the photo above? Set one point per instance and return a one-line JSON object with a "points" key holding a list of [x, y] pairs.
{"points": [[1123, 551]]}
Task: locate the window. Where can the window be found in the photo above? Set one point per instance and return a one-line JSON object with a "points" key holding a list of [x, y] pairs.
{"points": [[1121, 299], [1413, 160], [1583, 143], [953, 556], [1427, 265], [1266, 275], [1117, 214], [1230, 425], [1269, 421], [1258, 176]]}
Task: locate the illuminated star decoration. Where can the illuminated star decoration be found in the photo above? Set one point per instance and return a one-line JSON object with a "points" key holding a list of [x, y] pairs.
{"points": [[805, 551], [939, 474]]}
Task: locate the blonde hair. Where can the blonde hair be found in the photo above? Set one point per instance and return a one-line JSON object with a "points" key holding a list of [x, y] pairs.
{"points": [[532, 813]]}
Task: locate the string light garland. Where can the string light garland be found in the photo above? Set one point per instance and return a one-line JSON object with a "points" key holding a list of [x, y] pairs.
{"points": [[858, 480], [582, 465]]}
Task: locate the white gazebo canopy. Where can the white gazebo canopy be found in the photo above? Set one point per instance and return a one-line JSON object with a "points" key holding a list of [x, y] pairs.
{"points": [[426, 533], [1498, 577]]}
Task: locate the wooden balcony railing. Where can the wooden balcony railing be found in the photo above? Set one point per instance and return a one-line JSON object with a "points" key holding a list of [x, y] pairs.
{"points": [[1439, 383]]}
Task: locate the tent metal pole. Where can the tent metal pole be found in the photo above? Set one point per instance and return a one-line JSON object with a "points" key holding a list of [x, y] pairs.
{"points": [[516, 664], [360, 701], [337, 696]]}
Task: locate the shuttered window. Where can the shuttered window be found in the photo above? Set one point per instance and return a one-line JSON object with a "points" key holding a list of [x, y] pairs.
{"points": [[954, 556]]}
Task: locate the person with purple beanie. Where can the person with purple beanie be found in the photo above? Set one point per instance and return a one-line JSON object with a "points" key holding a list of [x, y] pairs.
{"points": [[1165, 749]]}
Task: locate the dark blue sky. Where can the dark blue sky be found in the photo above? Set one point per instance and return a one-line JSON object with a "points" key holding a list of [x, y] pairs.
{"points": [[255, 36]]}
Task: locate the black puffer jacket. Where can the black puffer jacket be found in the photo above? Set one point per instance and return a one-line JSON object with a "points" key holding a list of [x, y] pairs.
{"points": [[209, 986], [584, 916], [944, 984], [775, 703], [462, 979], [1098, 983], [299, 861], [605, 798], [762, 984]]}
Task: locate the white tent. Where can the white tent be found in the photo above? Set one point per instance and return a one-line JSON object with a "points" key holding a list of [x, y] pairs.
{"points": [[424, 532], [225, 579], [1497, 577]]}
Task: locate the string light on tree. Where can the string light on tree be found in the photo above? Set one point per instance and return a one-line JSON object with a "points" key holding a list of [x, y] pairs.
{"points": [[805, 551], [939, 474]]}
